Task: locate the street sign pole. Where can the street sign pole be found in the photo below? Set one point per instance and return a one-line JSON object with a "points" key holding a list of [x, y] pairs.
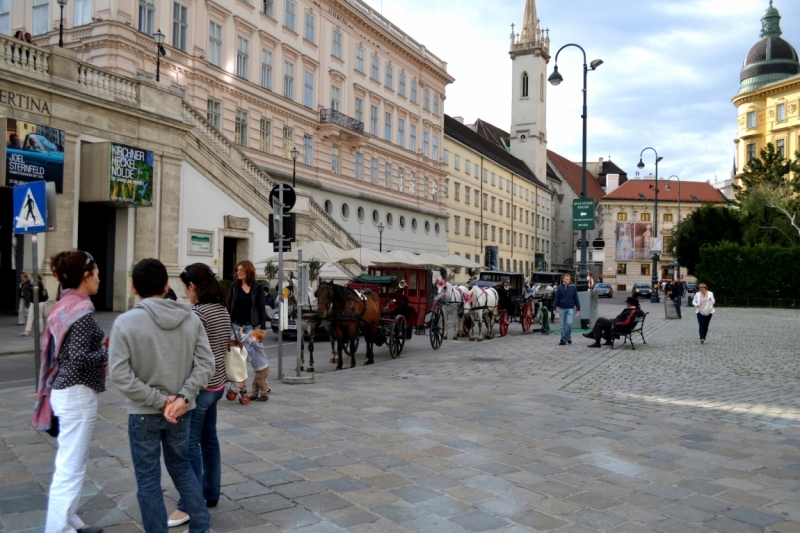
{"points": [[281, 300], [36, 340], [299, 298]]}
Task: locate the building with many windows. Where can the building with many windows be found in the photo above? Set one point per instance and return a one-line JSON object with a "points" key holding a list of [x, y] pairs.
{"points": [[629, 226], [360, 100], [500, 213], [769, 95]]}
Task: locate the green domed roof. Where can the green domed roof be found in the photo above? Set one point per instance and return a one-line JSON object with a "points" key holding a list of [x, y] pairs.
{"points": [[771, 59]]}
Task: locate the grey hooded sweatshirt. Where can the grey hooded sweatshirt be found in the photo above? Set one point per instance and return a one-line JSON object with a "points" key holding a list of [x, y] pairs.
{"points": [[157, 349]]}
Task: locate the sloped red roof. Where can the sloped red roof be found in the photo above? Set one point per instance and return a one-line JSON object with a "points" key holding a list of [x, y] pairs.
{"points": [[704, 192], [572, 173]]}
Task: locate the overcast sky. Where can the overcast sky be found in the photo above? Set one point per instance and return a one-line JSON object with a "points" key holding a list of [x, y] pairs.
{"points": [[671, 69]]}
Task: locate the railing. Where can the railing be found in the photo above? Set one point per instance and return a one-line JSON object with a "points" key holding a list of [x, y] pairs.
{"points": [[254, 172], [105, 83], [20, 55], [334, 117], [746, 301]]}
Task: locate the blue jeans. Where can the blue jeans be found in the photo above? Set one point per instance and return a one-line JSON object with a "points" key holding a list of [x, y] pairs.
{"points": [[566, 316], [204, 453], [147, 435], [703, 322]]}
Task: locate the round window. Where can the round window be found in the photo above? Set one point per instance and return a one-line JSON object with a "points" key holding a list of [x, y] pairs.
{"points": [[436, 228], [328, 207], [345, 211], [360, 214], [427, 227], [389, 219], [402, 222], [375, 216], [414, 224]]}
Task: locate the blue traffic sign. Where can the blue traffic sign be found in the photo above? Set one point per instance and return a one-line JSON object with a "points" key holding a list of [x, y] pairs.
{"points": [[30, 207]]}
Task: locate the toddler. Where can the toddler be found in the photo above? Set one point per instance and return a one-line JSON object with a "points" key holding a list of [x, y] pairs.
{"points": [[257, 358]]}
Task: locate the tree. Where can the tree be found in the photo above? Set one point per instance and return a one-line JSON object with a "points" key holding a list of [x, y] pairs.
{"points": [[314, 268], [770, 215], [770, 169], [270, 270], [708, 225]]}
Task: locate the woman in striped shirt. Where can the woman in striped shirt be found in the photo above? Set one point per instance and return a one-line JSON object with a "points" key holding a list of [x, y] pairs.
{"points": [[208, 297]]}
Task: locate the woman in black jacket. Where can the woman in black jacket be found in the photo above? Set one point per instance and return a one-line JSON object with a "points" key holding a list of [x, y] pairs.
{"points": [[246, 299]]}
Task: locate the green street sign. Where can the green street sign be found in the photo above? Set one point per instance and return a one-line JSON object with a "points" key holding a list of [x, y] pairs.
{"points": [[582, 213]]}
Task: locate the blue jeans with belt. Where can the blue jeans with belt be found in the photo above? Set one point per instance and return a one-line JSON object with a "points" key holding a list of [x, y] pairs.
{"points": [[566, 316], [204, 453], [148, 434]]}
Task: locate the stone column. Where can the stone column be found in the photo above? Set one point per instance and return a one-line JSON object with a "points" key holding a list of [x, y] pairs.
{"points": [[169, 212]]}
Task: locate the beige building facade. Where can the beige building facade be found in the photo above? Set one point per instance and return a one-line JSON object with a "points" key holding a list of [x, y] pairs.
{"points": [[361, 101], [500, 214]]}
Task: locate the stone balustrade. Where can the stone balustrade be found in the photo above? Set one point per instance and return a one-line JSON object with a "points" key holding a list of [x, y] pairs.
{"points": [[19, 55]]}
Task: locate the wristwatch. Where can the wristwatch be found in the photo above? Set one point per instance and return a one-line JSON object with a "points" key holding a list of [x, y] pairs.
{"points": [[182, 397]]}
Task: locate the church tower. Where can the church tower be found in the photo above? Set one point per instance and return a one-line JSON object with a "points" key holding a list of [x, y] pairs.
{"points": [[530, 53]]}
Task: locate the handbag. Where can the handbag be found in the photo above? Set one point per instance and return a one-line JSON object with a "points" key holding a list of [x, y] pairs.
{"points": [[236, 360], [707, 308], [55, 427]]}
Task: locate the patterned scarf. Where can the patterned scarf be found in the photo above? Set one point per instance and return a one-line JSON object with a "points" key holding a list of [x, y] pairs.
{"points": [[71, 307]]}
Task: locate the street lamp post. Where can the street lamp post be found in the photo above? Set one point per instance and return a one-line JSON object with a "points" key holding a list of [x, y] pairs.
{"points": [[380, 236], [62, 4], [555, 79], [294, 153], [159, 37], [654, 277], [677, 261]]}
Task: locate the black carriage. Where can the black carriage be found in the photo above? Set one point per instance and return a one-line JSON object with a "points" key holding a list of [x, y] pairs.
{"points": [[513, 303], [407, 303], [541, 291]]}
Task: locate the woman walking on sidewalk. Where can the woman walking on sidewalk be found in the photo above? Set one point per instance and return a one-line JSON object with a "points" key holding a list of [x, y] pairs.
{"points": [[207, 296], [73, 372], [704, 308], [27, 294]]}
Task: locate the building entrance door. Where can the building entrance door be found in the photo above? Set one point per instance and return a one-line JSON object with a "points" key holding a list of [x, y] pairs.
{"points": [[9, 279], [96, 234]]}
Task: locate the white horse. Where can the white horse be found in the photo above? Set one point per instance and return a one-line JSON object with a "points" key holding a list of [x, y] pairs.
{"points": [[477, 302], [451, 300], [308, 311]]}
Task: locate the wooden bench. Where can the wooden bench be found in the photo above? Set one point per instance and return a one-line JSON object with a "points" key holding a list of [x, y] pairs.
{"points": [[636, 327]]}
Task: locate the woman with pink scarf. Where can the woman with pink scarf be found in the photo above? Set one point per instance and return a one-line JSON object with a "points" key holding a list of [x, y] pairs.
{"points": [[74, 363]]}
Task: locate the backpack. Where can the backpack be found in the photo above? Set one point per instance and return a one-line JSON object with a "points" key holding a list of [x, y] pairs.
{"points": [[43, 294]]}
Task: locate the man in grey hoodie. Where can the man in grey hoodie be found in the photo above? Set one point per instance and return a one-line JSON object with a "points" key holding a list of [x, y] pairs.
{"points": [[159, 358]]}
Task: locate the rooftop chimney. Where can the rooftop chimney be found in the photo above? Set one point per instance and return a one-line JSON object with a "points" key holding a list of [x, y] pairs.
{"points": [[459, 119], [612, 182]]}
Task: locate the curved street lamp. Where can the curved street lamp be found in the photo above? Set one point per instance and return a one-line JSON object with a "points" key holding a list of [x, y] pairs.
{"points": [[677, 261], [654, 274], [555, 79], [159, 37], [62, 4]]}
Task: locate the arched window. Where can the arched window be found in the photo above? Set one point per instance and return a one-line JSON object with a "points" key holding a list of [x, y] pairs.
{"points": [[541, 87], [524, 84], [622, 216], [668, 217], [645, 217]]}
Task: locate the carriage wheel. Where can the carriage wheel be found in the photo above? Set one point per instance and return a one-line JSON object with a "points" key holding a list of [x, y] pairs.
{"points": [[504, 320], [527, 316], [346, 346], [437, 328], [398, 337]]}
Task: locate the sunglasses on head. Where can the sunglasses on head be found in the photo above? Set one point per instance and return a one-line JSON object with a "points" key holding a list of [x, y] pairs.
{"points": [[89, 257]]}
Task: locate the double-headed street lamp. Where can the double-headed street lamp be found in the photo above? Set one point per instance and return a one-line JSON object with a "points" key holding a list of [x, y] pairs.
{"points": [[62, 4], [556, 79], [381, 227], [294, 153], [654, 294], [159, 37], [677, 260]]}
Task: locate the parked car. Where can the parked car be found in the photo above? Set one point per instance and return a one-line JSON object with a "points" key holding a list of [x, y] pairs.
{"points": [[604, 289], [642, 290], [691, 287]]}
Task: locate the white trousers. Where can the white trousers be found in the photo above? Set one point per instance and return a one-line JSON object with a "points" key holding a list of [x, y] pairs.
{"points": [[29, 324], [76, 408]]}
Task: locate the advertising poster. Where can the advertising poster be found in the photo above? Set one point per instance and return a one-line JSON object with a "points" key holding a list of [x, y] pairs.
{"points": [[34, 152], [633, 241], [131, 175]]}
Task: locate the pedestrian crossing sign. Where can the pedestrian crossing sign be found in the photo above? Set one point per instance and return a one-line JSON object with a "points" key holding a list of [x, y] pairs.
{"points": [[30, 207]]}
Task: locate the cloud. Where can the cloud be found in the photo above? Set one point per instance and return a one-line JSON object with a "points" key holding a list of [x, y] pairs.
{"points": [[670, 71]]}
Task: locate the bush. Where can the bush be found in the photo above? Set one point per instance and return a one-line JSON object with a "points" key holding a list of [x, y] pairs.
{"points": [[757, 272], [226, 282]]}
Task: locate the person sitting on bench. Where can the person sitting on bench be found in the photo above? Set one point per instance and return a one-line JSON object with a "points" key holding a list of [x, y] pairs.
{"points": [[604, 327]]}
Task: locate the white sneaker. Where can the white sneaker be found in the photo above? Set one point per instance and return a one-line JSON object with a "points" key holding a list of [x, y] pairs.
{"points": [[178, 521]]}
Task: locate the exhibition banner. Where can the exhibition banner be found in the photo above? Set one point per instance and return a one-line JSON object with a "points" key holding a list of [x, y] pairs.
{"points": [[131, 175], [634, 241], [33, 153]]}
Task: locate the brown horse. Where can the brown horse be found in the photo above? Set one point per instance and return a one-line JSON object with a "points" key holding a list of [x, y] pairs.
{"points": [[350, 313]]}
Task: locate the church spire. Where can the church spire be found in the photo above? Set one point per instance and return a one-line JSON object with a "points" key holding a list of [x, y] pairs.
{"points": [[530, 23]]}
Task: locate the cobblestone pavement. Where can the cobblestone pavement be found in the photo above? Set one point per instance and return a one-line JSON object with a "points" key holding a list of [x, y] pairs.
{"points": [[512, 434]]}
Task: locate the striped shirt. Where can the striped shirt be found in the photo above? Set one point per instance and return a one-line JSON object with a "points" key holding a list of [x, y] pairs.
{"points": [[217, 323]]}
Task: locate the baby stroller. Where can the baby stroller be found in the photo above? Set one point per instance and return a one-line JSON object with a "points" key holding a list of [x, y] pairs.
{"points": [[236, 370]]}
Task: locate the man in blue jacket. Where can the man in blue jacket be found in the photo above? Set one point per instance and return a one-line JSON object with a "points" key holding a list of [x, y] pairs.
{"points": [[566, 304]]}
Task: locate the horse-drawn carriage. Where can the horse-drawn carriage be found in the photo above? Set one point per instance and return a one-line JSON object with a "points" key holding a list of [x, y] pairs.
{"points": [[512, 303]]}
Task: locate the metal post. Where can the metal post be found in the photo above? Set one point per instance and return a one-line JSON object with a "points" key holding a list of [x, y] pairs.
{"points": [[655, 275], [61, 28], [281, 301], [299, 297], [158, 66], [36, 340], [583, 283]]}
